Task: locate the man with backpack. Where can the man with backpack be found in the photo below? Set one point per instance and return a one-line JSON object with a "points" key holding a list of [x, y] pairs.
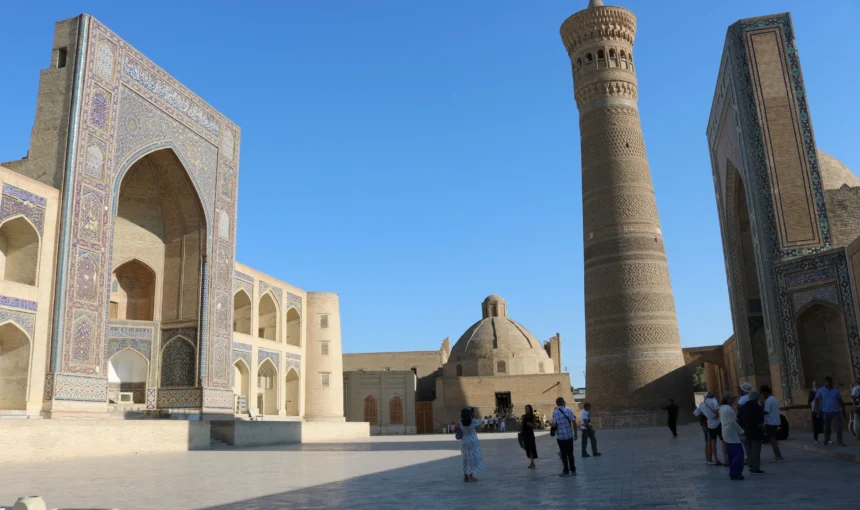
{"points": [[563, 427]]}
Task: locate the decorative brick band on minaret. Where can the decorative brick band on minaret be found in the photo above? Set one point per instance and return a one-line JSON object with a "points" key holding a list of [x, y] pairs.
{"points": [[633, 348]]}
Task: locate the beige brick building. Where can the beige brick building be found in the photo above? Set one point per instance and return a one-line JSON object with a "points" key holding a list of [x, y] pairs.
{"points": [[497, 367]]}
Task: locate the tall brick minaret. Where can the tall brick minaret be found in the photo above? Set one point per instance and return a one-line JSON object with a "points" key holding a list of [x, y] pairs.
{"points": [[633, 348]]}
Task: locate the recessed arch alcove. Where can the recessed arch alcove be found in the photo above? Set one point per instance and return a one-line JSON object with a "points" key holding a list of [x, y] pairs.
{"points": [[14, 367], [19, 251]]}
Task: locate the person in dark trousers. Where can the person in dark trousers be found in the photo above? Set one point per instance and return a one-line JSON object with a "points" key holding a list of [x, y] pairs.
{"points": [[672, 409], [751, 419], [564, 429], [588, 432]]}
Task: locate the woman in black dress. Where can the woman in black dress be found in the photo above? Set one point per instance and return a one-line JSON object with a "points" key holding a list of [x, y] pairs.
{"points": [[529, 423]]}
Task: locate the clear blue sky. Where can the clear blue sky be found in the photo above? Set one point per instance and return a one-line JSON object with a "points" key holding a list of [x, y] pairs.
{"points": [[415, 157]]}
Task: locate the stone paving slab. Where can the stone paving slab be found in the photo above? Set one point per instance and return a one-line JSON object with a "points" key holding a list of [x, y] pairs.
{"points": [[850, 452], [640, 468]]}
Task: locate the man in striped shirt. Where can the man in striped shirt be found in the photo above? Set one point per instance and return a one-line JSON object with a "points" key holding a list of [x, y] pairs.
{"points": [[564, 424]]}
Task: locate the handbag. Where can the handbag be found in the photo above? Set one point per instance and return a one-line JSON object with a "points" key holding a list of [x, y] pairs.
{"points": [[459, 434]]}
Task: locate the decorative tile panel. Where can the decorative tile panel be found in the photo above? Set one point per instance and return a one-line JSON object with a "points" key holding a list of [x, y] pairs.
{"points": [[13, 302], [263, 355], [264, 287], [242, 347], [180, 398], [18, 202], [218, 399], [243, 276], [824, 273], [294, 301], [826, 294], [293, 361], [243, 355], [80, 388], [248, 287], [151, 399]]}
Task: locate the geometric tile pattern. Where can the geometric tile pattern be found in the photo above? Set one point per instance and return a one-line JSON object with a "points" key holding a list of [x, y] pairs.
{"points": [[13, 302], [151, 398], [80, 388], [824, 273], [242, 347], [25, 321], [294, 301], [293, 361], [263, 355], [180, 398], [275, 291], [244, 285], [129, 108], [243, 355], [218, 399], [826, 294], [17, 202], [243, 276]]}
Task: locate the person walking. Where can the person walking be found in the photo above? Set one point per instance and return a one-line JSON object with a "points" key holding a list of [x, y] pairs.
{"points": [[832, 407], [772, 421], [588, 432], [672, 409], [732, 437], [529, 422], [854, 422], [815, 413], [473, 462], [751, 419], [563, 427]]}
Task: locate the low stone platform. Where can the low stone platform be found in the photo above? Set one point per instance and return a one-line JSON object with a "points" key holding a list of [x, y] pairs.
{"points": [[43, 440]]}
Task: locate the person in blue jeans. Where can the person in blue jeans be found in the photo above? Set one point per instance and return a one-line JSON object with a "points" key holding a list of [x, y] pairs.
{"points": [[830, 402], [564, 430]]}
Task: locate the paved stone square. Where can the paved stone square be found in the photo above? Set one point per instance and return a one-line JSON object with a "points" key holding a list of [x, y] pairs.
{"points": [[640, 468]]}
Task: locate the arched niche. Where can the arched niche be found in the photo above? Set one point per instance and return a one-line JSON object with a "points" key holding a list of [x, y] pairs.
{"points": [[395, 410], [267, 388], [241, 379], [294, 327], [133, 293], [371, 410], [14, 367], [823, 345], [292, 392], [267, 325], [127, 372], [160, 222], [19, 251], [242, 312], [178, 363]]}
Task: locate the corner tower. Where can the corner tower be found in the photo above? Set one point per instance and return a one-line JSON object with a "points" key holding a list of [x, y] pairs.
{"points": [[324, 365], [633, 348]]}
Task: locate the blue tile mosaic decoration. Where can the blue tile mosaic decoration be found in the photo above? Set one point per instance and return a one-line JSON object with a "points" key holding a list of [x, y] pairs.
{"points": [[177, 364], [243, 355], [243, 276], [263, 355], [248, 287], [242, 347], [24, 320], [276, 291], [79, 388], [11, 205], [13, 302], [24, 195], [294, 301]]}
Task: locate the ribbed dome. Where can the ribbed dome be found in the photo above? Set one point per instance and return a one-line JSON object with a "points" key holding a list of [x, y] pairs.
{"points": [[497, 345], [834, 173]]}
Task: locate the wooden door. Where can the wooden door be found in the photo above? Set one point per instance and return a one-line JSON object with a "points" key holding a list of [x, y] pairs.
{"points": [[424, 417]]}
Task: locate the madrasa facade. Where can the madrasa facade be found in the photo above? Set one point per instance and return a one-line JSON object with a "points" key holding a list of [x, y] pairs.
{"points": [[790, 221], [120, 290]]}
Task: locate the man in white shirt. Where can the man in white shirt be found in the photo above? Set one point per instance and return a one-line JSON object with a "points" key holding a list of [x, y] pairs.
{"points": [[710, 409], [588, 432], [746, 388], [854, 419], [772, 421]]}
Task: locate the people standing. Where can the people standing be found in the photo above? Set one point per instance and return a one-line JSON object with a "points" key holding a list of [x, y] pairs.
{"points": [[502, 425], [529, 422], [732, 437], [832, 407], [815, 413], [564, 425], [854, 422], [473, 462], [751, 419], [672, 409], [744, 393], [710, 409], [588, 432], [703, 423], [772, 420]]}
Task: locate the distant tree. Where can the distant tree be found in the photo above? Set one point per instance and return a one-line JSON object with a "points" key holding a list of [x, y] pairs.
{"points": [[699, 378]]}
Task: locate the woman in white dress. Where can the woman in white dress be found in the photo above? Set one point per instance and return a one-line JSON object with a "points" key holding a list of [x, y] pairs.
{"points": [[473, 463]]}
